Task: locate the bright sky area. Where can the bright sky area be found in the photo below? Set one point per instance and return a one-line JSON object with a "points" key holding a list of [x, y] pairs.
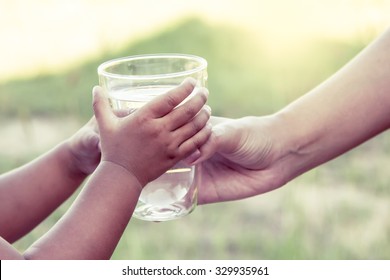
{"points": [[41, 35]]}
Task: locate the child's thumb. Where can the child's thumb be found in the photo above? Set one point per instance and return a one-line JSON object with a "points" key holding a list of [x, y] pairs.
{"points": [[101, 108]]}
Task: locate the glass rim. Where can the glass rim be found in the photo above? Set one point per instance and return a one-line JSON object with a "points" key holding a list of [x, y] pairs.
{"points": [[103, 72]]}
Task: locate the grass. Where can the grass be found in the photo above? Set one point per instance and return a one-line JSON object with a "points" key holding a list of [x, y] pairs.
{"points": [[337, 211]]}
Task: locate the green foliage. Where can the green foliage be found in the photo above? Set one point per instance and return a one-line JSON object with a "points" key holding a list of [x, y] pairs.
{"points": [[338, 211], [242, 80]]}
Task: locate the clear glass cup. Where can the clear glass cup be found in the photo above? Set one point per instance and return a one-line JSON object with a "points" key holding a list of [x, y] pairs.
{"points": [[131, 82]]}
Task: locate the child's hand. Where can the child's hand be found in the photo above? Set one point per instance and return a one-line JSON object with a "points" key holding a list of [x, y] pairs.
{"points": [[84, 148], [155, 137]]}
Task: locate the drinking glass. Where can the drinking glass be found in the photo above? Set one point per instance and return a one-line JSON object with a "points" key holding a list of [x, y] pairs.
{"points": [[130, 83]]}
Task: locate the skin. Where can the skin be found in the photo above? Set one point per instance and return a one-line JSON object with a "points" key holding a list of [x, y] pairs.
{"points": [[28, 204], [253, 155], [160, 133]]}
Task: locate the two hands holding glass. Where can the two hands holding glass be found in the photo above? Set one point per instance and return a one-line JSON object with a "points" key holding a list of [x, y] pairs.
{"points": [[239, 158], [135, 150]]}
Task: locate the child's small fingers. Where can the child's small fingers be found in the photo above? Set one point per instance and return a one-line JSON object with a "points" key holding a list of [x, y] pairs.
{"points": [[193, 126], [185, 112], [194, 143], [193, 157], [165, 103], [206, 151]]}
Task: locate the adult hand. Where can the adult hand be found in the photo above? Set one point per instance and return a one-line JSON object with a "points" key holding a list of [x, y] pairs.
{"points": [[240, 160]]}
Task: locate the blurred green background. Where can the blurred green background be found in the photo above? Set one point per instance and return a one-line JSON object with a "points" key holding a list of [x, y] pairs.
{"points": [[261, 55]]}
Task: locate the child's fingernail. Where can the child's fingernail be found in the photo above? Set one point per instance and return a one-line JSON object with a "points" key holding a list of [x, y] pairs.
{"points": [[191, 81]]}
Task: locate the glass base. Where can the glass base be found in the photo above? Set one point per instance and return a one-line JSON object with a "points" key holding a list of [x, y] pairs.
{"points": [[154, 213]]}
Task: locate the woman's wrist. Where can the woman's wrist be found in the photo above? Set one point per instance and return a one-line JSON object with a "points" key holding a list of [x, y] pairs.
{"points": [[298, 143]]}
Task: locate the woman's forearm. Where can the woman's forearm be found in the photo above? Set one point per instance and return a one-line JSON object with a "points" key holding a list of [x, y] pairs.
{"points": [[349, 108]]}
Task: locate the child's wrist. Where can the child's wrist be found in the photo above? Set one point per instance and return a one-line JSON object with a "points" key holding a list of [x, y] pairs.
{"points": [[126, 174]]}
